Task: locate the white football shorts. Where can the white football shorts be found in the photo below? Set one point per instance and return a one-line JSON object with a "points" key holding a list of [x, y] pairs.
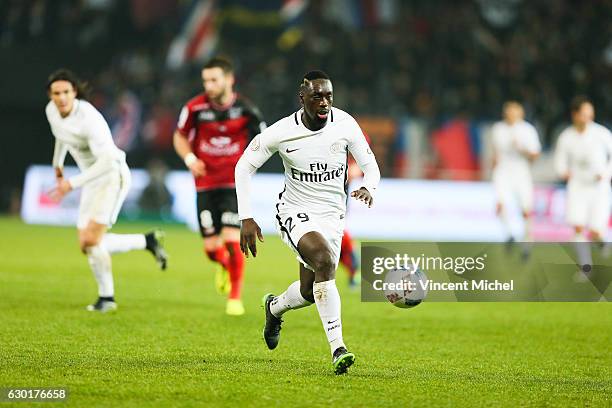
{"points": [[293, 223], [513, 186], [102, 198], [588, 205]]}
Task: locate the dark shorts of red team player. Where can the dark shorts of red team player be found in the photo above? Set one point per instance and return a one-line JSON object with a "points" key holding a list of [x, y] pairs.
{"points": [[217, 209]]}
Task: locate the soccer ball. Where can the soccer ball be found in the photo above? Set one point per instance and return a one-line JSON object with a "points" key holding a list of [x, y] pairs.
{"points": [[405, 289]]}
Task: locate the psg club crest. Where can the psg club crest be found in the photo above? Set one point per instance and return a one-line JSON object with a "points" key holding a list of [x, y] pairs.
{"points": [[255, 144], [336, 147]]}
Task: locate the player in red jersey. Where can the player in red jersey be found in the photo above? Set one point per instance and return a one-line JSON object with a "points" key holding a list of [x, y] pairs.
{"points": [[212, 132]]}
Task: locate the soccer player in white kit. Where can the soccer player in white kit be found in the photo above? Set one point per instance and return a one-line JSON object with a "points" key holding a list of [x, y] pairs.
{"points": [[314, 144], [516, 145], [105, 180], [583, 158]]}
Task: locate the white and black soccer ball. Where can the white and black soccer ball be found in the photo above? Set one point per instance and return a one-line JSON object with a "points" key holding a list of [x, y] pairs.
{"points": [[402, 294]]}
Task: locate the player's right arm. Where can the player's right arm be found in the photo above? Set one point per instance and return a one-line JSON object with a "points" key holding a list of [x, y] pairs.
{"points": [[60, 150], [62, 186], [561, 160], [59, 156], [261, 148], [181, 143]]}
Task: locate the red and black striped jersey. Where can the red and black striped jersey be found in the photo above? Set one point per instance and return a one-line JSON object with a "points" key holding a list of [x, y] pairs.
{"points": [[218, 135]]}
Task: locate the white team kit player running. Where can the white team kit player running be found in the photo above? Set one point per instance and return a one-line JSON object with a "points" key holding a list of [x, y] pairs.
{"points": [[516, 145], [105, 180], [583, 158], [314, 144]]}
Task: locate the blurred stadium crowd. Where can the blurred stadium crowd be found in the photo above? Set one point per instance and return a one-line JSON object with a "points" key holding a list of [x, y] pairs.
{"points": [[433, 62]]}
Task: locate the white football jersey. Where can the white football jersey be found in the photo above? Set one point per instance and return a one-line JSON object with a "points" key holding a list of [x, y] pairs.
{"points": [[315, 161], [84, 133], [585, 155], [508, 139]]}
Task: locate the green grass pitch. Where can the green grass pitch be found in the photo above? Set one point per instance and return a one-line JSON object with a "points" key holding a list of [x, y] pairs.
{"points": [[170, 343]]}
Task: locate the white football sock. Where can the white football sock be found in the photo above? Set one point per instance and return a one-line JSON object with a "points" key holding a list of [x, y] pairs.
{"points": [[100, 263], [118, 243], [327, 299], [289, 300], [583, 250]]}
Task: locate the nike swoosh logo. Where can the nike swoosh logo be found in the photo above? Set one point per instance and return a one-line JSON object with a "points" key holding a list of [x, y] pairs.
{"points": [[291, 150], [332, 322]]}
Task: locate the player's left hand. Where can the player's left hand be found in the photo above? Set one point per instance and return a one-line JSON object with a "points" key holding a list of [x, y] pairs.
{"points": [[363, 195], [62, 188]]}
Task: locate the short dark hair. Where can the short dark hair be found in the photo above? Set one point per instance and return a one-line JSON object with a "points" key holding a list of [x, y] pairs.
{"points": [[81, 87], [311, 76], [512, 102], [578, 101], [316, 74], [220, 62]]}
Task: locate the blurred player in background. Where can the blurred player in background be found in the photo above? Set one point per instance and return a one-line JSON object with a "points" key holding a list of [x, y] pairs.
{"points": [[516, 146], [583, 158], [105, 179], [314, 144], [213, 130]]}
